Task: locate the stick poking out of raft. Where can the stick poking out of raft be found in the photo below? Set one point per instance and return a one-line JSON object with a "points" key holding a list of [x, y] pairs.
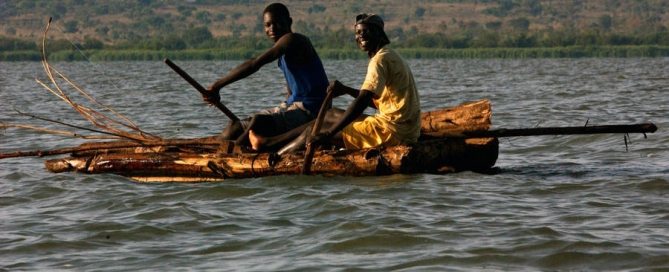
{"points": [[539, 131]]}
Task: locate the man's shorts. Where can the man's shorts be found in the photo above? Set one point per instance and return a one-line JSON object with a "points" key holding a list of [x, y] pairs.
{"points": [[284, 118]]}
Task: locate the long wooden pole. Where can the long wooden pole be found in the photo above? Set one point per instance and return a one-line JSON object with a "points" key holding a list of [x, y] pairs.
{"points": [[200, 89], [633, 128], [310, 149], [309, 153]]}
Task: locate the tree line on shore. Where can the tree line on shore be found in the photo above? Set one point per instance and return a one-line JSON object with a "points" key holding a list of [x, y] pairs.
{"points": [[199, 43]]}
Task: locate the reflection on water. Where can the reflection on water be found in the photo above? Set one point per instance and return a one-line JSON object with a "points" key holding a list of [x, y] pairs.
{"points": [[556, 203]]}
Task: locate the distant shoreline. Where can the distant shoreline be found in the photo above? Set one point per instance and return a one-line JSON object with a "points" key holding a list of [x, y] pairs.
{"points": [[329, 53]]}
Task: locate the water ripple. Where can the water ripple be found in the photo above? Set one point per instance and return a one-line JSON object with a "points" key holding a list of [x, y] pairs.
{"points": [[555, 202]]}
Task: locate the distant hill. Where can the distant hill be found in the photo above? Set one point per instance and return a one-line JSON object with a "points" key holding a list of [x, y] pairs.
{"points": [[232, 29], [122, 20]]}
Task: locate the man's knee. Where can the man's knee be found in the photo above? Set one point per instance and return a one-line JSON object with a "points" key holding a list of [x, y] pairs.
{"points": [[263, 124]]}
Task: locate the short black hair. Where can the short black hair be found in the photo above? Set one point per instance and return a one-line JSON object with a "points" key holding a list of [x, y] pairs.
{"points": [[277, 9]]}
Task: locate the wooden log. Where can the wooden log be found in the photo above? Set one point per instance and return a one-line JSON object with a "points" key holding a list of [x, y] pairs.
{"points": [[464, 117], [177, 165], [108, 147], [435, 156]]}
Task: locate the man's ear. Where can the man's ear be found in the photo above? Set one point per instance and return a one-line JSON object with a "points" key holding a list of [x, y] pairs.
{"points": [[290, 21]]}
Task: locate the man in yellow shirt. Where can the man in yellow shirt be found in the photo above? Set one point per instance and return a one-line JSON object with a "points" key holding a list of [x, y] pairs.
{"points": [[389, 87]]}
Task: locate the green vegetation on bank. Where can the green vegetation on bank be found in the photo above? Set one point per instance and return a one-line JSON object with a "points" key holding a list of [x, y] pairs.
{"points": [[201, 45], [417, 53], [231, 29]]}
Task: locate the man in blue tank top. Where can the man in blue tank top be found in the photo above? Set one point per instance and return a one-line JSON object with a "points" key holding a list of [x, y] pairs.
{"points": [[302, 68]]}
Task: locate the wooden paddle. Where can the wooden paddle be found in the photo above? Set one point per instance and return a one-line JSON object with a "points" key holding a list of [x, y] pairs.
{"points": [[310, 149], [200, 89]]}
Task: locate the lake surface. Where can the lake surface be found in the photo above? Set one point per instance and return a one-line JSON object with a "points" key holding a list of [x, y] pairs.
{"points": [[557, 202]]}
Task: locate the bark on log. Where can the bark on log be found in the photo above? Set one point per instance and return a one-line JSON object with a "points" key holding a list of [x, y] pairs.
{"points": [[464, 117], [435, 156], [139, 165], [117, 146]]}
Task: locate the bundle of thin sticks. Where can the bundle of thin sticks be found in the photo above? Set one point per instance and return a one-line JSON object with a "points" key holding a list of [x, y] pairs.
{"points": [[106, 124]]}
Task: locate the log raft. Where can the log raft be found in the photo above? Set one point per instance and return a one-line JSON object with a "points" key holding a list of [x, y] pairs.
{"points": [[452, 139], [174, 163]]}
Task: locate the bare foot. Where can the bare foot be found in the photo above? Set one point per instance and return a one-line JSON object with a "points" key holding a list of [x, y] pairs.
{"points": [[255, 140]]}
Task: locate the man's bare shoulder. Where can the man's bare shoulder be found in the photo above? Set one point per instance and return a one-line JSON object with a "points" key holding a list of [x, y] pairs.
{"points": [[294, 39], [298, 47]]}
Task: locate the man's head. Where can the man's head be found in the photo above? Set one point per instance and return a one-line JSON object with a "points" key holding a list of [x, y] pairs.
{"points": [[369, 32], [276, 21]]}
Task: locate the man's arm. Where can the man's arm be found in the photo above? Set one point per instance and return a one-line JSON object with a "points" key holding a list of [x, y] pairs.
{"points": [[249, 67], [353, 111], [341, 89]]}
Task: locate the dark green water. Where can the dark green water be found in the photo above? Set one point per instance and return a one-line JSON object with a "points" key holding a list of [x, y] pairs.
{"points": [[557, 203]]}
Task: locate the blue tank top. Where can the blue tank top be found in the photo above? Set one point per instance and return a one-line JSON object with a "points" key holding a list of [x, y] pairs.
{"points": [[308, 83]]}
